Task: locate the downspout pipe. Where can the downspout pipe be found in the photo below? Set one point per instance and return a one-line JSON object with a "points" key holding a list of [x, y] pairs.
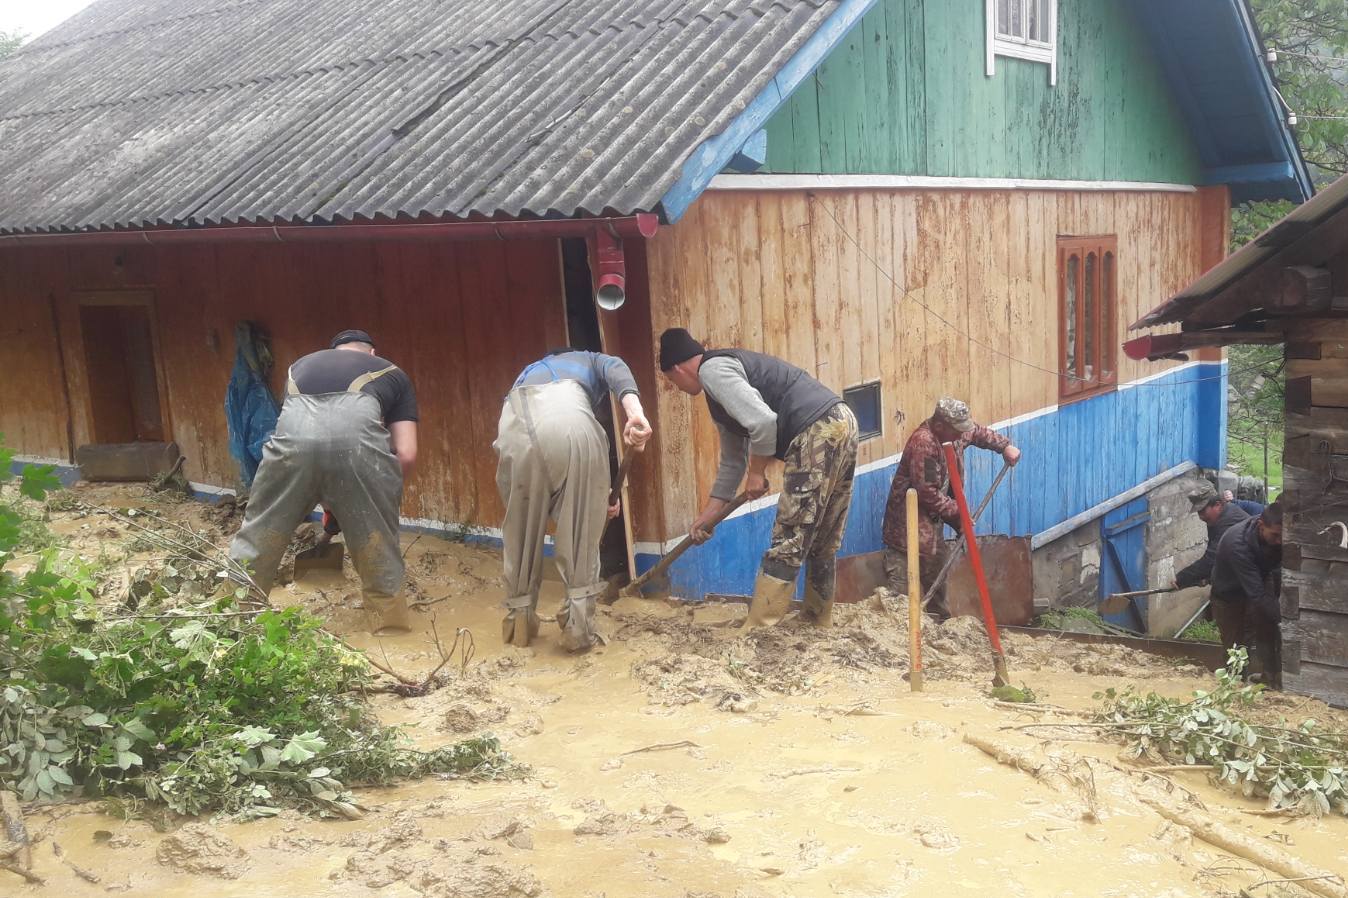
{"points": [[643, 224]]}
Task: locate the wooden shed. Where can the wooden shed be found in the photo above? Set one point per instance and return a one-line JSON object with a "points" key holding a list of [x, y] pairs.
{"points": [[1290, 286], [908, 198]]}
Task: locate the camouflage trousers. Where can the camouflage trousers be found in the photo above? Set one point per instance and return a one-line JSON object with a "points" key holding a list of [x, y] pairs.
{"points": [[816, 493]]}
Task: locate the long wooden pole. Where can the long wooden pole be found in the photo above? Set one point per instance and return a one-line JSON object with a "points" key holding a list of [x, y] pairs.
{"points": [[1000, 676], [914, 598]]}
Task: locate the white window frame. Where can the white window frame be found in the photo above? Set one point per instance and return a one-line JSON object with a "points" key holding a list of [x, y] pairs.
{"points": [[1023, 48]]}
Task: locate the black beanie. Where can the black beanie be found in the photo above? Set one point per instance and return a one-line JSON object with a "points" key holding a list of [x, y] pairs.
{"points": [[677, 345]]}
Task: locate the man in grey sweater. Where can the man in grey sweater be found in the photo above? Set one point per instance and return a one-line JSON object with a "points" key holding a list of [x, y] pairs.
{"points": [[767, 409]]}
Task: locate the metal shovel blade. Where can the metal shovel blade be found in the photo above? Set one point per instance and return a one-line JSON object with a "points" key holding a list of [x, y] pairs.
{"points": [[324, 557]]}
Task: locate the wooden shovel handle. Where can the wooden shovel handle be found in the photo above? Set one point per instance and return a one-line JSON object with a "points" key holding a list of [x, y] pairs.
{"points": [[663, 564]]}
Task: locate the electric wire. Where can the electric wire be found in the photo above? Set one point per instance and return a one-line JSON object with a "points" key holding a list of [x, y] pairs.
{"points": [[906, 294]]}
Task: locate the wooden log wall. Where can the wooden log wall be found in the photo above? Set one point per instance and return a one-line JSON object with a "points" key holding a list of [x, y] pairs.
{"points": [[462, 319], [1315, 496], [927, 291]]}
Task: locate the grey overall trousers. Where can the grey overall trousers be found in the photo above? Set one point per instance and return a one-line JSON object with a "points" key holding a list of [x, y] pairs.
{"points": [[333, 449], [553, 464]]}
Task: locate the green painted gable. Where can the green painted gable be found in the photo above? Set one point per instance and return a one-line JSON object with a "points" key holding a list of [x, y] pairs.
{"points": [[907, 94]]}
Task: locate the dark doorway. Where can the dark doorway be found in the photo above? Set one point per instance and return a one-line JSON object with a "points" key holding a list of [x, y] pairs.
{"points": [[122, 373], [582, 332]]}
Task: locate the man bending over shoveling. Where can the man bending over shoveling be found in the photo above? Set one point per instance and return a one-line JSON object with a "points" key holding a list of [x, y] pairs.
{"points": [[767, 409], [923, 467], [553, 463], [346, 439]]}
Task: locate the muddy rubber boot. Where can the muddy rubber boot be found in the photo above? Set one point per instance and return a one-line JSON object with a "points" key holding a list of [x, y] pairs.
{"points": [[519, 627], [771, 601], [388, 615], [818, 611]]}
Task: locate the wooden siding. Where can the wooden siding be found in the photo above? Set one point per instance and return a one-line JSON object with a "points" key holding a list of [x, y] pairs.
{"points": [[974, 279], [1315, 576], [907, 94], [462, 319]]}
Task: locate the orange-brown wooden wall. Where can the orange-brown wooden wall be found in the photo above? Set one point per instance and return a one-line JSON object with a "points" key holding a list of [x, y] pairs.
{"points": [[462, 319], [926, 291]]}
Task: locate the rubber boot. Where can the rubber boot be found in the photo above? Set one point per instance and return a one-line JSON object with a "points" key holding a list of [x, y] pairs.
{"points": [[771, 601], [577, 635], [512, 633], [818, 611], [388, 615]]}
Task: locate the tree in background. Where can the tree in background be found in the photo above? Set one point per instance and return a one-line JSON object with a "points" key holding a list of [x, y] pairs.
{"points": [[1311, 41], [9, 42]]}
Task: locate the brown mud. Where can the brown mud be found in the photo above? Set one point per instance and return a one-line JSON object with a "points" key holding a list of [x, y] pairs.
{"points": [[686, 758]]}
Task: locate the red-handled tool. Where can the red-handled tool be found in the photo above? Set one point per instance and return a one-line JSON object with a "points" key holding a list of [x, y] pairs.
{"points": [[1000, 676]]}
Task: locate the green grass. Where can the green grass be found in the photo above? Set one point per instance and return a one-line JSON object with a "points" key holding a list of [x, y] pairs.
{"points": [[1202, 631], [1249, 460]]}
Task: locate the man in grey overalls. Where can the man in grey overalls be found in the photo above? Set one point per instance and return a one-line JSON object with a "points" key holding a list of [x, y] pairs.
{"points": [[554, 463], [346, 439]]}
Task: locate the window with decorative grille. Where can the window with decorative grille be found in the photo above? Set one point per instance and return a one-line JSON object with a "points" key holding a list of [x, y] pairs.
{"points": [[1087, 312]]}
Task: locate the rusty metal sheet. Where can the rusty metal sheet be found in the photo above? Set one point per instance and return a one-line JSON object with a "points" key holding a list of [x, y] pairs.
{"points": [[1006, 561], [1209, 654]]}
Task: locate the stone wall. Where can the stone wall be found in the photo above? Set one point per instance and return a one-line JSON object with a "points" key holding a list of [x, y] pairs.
{"points": [[1067, 570]]}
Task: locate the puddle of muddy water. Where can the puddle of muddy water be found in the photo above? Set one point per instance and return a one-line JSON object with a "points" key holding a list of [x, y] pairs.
{"points": [[825, 777]]}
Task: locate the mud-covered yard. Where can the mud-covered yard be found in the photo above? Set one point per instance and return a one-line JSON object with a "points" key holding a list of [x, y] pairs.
{"points": [[688, 758]]}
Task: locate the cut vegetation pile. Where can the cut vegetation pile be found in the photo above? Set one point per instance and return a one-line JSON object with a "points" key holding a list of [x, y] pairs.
{"points": [[177, 698]]}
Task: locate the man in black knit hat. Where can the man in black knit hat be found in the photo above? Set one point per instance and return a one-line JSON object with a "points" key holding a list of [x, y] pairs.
{"points": [[766, 409]]}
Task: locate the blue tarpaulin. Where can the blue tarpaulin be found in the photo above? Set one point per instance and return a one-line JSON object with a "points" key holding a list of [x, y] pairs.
{"points": [[249, 407]]}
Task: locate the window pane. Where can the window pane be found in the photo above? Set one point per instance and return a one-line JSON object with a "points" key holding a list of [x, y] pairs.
{"points": [[1070, 313], [1089, 348], [1039, 20], [1003, 16], [1017, 20], [1108, 313]]}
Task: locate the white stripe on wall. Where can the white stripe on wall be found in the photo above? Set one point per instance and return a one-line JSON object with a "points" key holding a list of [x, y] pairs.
{"points": [[924, 182]]}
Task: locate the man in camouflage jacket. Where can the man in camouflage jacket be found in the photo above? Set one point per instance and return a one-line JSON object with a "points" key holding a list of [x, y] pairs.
{"points": [[923, 467]]}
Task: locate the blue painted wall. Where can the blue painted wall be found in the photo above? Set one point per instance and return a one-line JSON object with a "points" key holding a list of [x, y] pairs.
{"points": [[1075, 457]]}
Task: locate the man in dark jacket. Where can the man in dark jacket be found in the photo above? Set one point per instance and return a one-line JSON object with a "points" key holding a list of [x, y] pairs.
{"points": [[1220, 516], [923, 467], [767, 409], [1247, 589]]}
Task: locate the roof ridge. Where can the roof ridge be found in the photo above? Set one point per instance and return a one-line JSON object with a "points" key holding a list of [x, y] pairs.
{"points": [[203, 14], [347, 64]]}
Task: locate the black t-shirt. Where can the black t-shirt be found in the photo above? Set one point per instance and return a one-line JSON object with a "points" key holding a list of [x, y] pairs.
{"points": [[334, 370]]}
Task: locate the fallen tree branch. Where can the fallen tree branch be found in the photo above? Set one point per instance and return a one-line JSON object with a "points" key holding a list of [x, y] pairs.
{"points": [[662, 746], [27, 874], [1048, 771], [1311, 879]]}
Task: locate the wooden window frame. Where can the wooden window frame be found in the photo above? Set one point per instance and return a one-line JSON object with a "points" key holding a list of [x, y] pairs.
{"points": [[867, 388], [1076, 384], [1001, 44]]}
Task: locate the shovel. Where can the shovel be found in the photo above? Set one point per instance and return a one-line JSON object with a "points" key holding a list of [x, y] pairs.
{"points": [[326, 555], [1120, 600], [636, 586]]}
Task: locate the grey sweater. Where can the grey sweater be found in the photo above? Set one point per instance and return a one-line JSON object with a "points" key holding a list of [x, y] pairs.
{"points": [[725, 381]]}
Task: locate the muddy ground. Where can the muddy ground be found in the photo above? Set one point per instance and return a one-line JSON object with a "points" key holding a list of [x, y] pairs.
{"points": [[688, 759]]}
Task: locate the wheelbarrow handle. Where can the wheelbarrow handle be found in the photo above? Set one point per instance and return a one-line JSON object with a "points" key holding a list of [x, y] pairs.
{"points": [[959, 545]]}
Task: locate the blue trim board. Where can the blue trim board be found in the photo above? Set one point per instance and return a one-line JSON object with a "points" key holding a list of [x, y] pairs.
{"points": [[1075, 457], [67, 474], [713, 154]]}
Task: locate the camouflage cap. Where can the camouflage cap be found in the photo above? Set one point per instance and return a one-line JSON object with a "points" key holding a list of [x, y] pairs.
{"points": [[1202, 495], [954, 412]]}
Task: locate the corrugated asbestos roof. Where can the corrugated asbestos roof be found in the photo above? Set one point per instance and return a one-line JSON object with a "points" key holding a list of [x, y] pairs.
{"points": [[146, 113], [1205, 301]]}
